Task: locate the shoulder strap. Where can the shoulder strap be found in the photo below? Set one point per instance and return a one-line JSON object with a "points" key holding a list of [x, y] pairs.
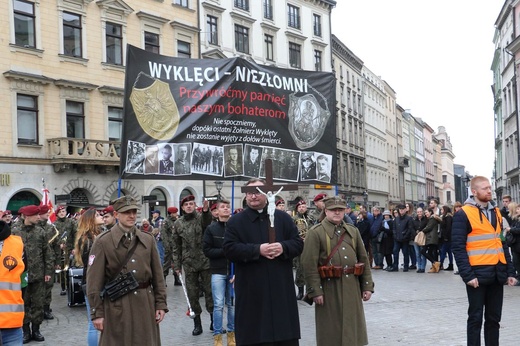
{"points": [[335, 247], [128, 255]]}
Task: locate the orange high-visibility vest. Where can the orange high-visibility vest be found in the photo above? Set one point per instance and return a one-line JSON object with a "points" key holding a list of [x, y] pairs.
{"points": [[11, 269], [483, 245]]}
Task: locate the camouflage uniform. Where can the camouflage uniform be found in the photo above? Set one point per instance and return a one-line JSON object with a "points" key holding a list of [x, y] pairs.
{"points": [[65, 225], [167, 234], [315, 217], [188, 232], [39, 264], [52, 239], [303, 222]]}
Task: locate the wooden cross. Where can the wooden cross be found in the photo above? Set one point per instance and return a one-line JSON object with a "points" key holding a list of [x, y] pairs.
{"points": [[269, 187]]}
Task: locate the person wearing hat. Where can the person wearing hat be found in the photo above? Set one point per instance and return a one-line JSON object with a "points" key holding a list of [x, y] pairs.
{"points": [[303, 222], [308, 167], [167, 235], [67, 228], [280, 204], [7, 217], [52, 235], [403, 232], [108, 217], [340, 319], [188, 232], [134, 318], [318, 202], [39, 267], [387, 239], [214, 211], [13, 258]]}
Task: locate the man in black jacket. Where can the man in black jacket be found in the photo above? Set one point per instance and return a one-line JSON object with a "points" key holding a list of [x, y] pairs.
{"points": [[221, 274], [403, 230]]}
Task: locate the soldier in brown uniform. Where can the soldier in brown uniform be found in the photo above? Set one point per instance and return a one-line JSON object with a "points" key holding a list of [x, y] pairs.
{"points": [[134, 318]]}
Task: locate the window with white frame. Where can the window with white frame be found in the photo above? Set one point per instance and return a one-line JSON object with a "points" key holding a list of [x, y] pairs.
{"points": [[24, 24], [317, 60], [269, 47], [268, 9], [295, 58], [242, 4], [316, 24], [151, 42], [212, 28], [183, 49], [293, 14], [72, 32], [27, 118], [183, 3], [75, 117], [114, 43], [241, 39], [115, 123]]}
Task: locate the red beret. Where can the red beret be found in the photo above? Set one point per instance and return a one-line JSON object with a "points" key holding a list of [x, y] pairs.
{"points": [[319, 197], [238, 210], [107, 210], [213, 207], [199, 209], [173, 210], [44, 209], [29, 210], [300, 202], [60, 208], [187, 199], [280, 201], [7, 212]]}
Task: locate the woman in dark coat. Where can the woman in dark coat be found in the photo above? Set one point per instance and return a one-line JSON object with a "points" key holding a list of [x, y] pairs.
{"points": [[431, 248], [364, 229], [445, 239], [89, 226], [387, 243]]}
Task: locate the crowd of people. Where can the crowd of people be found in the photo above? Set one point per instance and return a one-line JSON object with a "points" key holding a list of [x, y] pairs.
{"points": [[252, 265]]}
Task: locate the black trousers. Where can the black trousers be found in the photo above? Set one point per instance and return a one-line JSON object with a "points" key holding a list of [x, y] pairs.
{"points": [[484, 301], [431, 252]]}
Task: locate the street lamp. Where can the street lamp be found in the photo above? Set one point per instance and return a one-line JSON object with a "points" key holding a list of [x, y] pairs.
{"points": [[365, 197], [218, 185]]}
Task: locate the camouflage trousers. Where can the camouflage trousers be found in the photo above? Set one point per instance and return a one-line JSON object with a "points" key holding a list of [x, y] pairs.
{"points": [[194, 281], [168, 252], [299, 279], [33, 297], [48, 292]]}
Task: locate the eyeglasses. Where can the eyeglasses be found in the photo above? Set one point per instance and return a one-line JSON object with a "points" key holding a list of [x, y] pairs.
{"points": [[251, 194]]}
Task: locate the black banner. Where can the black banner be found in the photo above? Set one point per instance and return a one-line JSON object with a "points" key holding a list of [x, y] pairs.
{"points": [[209, 118]]}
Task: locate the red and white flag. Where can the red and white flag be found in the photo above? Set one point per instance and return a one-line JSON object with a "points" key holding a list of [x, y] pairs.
{"points": [[47, 201]]}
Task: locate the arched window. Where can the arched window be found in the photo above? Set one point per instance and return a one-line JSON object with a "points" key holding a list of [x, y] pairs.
{"points": [[21, 199]]}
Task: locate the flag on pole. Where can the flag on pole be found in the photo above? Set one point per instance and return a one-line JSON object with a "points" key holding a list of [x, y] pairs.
{"points": [[47, 201]]}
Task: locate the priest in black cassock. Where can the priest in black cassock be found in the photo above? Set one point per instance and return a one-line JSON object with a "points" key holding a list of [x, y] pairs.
{"points": [[266, 311]]}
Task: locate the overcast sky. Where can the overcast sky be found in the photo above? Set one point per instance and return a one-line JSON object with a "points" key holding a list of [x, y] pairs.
{"points": [[437, 56]]}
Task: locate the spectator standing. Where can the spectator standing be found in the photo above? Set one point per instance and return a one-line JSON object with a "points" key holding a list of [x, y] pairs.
{"points": [[483, 261], [375, 228], [419, 222], [403, 231], [445, 238], [430, 249], [387, 242], [221, 275]]}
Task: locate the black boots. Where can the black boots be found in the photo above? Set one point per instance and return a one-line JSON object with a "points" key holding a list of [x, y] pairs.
{"points": [[176, 282], [211, 323], [450, 267], [26, 333], [300, 293], [47, 314], [198, 326], [36, 335]]}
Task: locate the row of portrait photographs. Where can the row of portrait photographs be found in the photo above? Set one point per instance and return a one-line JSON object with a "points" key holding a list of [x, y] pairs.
{"points": [[233, 160]]}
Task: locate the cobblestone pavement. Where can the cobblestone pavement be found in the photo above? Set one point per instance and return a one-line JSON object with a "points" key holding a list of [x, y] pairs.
{"points": [[407, 309]]}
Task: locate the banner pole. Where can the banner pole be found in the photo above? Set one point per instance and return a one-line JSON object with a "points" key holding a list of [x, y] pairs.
{"points": [[233, 194], [119, 188]]}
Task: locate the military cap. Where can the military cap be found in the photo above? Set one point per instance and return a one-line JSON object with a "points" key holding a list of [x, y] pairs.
{"points": [[29, 210], [401, 206], [124, 203], [199, 209], [7, 212], [60, 208], [107, 210], [213, 207], [173, 210], [319, 197], [44, 209], [335, 203], [300, 202], [306, 156], [238, 210], [280, 201], [187, 199]]}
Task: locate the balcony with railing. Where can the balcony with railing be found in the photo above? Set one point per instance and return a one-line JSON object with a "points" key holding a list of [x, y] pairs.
{"points": [[83, 155]]}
